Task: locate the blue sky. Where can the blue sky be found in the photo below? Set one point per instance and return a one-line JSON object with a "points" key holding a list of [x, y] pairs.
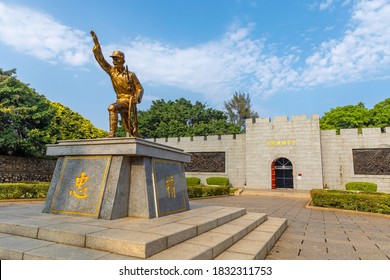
{"points": [[292, 57]]}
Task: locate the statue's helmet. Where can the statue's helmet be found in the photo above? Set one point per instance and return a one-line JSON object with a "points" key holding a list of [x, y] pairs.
{"points": [[118, 54]]}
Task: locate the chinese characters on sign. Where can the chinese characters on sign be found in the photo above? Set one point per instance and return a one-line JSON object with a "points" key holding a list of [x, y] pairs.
{"points": [[281, 142], [170, 187], [80, 192]]}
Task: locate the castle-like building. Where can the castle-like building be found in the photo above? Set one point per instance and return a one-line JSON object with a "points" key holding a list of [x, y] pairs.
{"points": [[290, 153]]}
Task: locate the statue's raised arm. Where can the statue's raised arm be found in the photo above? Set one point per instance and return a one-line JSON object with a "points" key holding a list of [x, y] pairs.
{"points": [[97, 52], [95, 38]]}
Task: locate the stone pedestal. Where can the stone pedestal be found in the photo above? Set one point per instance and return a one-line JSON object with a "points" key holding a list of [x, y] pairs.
{"points": [[118, 177]]}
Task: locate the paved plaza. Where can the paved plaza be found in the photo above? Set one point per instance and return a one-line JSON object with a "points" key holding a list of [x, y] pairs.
{"points": [[312, 233], [315, 234]]}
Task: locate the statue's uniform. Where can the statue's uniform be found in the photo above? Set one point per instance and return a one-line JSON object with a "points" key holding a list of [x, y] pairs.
{"points": [[127, 87]]}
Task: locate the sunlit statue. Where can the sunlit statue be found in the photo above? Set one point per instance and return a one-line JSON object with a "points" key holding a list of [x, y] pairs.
{"points": [[128, 89]]}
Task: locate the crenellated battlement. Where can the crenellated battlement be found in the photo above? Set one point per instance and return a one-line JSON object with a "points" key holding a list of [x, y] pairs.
{"points": [[282, 119], [372, 132], [350, 132], [197, 139]]}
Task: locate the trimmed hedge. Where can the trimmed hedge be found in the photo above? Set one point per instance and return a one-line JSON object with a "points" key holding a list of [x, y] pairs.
{"points": [[363, 201], [23, 190], [204, 191], [192, 181], [220, 181], [361, 186]]}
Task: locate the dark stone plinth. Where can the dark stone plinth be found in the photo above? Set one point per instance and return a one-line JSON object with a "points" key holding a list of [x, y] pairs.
{"points": [[119, 177]]}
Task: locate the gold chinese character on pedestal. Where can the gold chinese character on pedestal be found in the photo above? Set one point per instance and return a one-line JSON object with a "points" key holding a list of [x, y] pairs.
{"points": [[170, 187], [80, 192]]}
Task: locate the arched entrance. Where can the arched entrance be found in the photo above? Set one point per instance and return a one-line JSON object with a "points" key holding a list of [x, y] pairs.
{"points": [[282, 174]]}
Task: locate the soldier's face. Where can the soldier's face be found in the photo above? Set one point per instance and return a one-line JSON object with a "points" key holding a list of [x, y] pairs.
{"points": [[117, 61]]}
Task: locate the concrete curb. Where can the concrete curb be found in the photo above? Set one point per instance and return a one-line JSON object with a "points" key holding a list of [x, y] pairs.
{"points": [[276, 193], [22, 200]]}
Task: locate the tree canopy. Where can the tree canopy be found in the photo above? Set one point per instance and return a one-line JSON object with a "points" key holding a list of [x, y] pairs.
{"points": [[29, 121], [239, 109], [357, 116], [380, 114], [181, 118]]}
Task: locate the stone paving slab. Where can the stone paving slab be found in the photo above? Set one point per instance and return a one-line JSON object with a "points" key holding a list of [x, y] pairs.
{"points": [[13, 247], [202, 224], [185, 251], [27, 227], [218, 242], [67, 233], [63, 252], [337, 230]]}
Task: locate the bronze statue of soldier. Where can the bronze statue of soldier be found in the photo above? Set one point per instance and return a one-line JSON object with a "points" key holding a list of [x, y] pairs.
{"points": [[127, 87]]}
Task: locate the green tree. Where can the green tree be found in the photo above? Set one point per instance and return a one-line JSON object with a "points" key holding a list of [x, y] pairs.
{"points": [[68, 125], [181, 118], [350, 116], [24, 116], [239, 109], [29, 121], [380, 114]]}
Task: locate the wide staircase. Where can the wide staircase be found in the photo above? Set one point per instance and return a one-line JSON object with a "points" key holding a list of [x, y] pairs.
{"points": [[204, 233]]}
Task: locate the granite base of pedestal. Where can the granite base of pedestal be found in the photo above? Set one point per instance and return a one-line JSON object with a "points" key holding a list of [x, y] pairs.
{"points": [[117, 177]]}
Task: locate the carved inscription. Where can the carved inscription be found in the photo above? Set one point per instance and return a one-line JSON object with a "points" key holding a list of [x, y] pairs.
{"points": [[371, 161], [206, 162]]}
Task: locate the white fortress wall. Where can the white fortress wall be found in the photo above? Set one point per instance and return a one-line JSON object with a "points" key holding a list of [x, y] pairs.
{"points": [[320, 157], [337, 155], [297, 139]]}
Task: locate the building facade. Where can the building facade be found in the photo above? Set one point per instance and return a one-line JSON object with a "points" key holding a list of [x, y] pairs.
{"points": [[290, 153]]}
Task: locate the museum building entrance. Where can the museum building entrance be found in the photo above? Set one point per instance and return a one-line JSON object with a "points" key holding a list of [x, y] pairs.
{"points": [[282, 174]]}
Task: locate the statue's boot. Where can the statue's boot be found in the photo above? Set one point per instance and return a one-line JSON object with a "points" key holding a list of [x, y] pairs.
{"points": [[113, 124]]}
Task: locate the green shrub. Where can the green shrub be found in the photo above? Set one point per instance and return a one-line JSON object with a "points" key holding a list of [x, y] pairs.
{"points": [[361, 186], [192, 181], [23, 190], [204, 191], [220, 181], [363, 201]]}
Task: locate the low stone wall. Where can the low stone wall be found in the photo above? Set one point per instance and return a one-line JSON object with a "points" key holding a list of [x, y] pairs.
{"points": [[18, 169]]}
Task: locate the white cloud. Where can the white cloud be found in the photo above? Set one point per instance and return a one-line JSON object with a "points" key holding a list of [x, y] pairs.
{"points": [[363, 52], [326, 4], [234, 62], [215, 69], [237, 62], [40, 35]]}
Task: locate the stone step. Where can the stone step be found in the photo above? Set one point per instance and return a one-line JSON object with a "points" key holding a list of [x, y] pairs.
{"points": [[258, 243], [150, 241], [13, 247], [212, 243], [213, 232], [140, 238]]}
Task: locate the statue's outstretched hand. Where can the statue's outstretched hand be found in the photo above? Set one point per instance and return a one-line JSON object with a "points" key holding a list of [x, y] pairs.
{"points": [[95, 38]]}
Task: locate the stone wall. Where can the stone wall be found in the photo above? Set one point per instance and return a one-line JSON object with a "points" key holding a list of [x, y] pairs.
{"points": [[17, 169], [232, 145], [297, 139], [337, 156], [319, 158]]}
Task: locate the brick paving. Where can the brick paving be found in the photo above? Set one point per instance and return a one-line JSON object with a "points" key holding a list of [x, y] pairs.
{"points": [[315, 234]]}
